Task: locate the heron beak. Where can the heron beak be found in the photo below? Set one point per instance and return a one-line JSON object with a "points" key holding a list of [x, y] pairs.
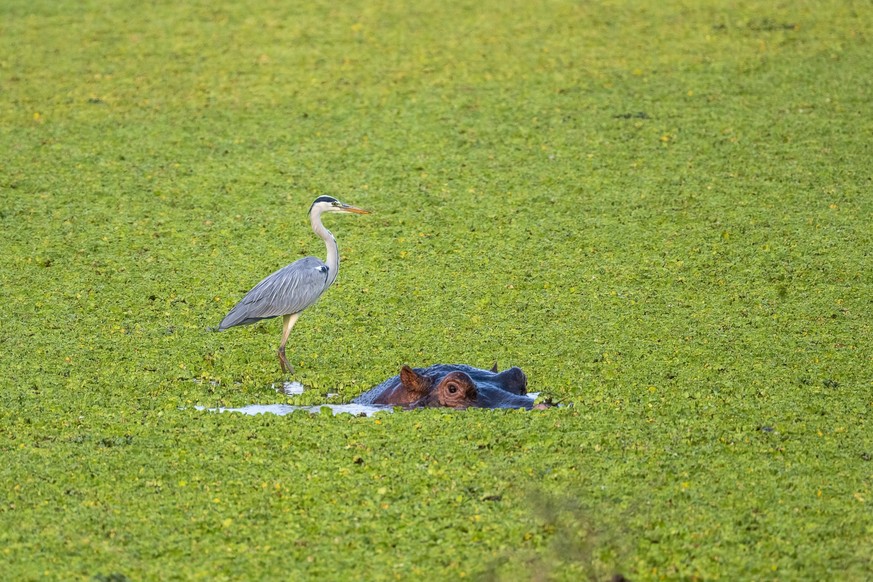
{"points": [[354, 209]]}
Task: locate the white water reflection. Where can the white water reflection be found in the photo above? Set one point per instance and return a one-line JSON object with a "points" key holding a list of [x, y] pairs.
{"points": [[290, 388], [283, 409]]}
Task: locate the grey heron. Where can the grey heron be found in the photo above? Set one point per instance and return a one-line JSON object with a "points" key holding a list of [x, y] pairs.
{"points": [[291, 289]]}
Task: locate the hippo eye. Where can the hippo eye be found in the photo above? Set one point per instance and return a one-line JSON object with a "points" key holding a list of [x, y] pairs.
{"points": [[453, 388]]}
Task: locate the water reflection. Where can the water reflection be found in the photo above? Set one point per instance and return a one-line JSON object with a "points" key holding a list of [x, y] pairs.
{"points": [[283, 409], [290, 388]]}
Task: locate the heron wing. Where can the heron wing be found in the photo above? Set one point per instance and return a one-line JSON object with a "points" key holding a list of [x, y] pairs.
{"points": [[289, 290]]}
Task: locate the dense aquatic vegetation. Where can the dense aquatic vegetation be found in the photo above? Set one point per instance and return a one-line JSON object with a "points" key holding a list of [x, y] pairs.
{"points": [[659, 210]]}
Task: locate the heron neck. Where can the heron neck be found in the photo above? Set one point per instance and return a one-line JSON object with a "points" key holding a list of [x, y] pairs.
{"points": [[332, 261]]}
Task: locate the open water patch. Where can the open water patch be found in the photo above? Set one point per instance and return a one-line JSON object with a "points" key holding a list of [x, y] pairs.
{"points": [[283, 409], [290, 388]]}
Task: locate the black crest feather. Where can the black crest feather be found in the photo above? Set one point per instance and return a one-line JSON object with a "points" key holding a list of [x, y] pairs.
{"points": [[329, 199]]}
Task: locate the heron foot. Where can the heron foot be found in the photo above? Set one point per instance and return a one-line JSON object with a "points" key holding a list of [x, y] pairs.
{"points": [[283, 362]]}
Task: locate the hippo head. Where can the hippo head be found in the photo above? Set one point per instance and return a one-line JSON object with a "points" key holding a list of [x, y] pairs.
{"points": [[452, 386], [454, 390]]}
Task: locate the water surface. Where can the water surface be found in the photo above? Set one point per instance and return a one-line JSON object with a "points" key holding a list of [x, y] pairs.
{"points": [[283, 409]]}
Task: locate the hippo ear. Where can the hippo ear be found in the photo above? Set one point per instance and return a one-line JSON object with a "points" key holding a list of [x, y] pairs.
{"points": [[412, 381], [494, 367], [512, 380]]}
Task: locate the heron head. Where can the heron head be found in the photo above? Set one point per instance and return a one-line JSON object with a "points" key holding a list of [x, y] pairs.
{"points": [[331, 204]]}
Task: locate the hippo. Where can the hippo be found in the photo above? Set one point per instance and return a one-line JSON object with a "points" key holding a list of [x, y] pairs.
{"points": [[453, 386]]}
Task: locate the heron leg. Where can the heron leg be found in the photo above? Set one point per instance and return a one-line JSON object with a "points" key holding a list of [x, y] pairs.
{"points": [[287, 323]]}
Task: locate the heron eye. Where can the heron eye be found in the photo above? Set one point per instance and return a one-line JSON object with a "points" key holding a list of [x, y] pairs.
{"points": [[335, 203]]}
